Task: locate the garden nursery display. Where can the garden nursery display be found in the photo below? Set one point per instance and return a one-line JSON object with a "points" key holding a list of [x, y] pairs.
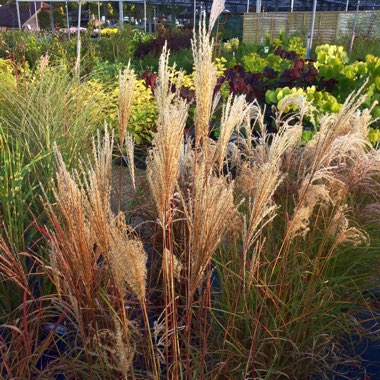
{"points": [[184, 206]]}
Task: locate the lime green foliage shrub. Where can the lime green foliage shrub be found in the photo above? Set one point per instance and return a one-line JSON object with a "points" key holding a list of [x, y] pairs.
{"points": [[6, 72], [333, 63], [255, 63], [321, 100], [294, 43], [142, 123], [231, 45]]}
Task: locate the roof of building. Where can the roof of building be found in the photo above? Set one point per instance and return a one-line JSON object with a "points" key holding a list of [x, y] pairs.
{"points": [[8, 13], [240, 6]]}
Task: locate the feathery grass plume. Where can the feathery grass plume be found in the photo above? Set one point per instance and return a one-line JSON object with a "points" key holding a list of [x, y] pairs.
{"points": [[97, 189], [303, 106], [115, 348], [287, 138], [205, 73], [216, 10], [44, 62], [127, 259], [186, 165], [125, 351], [163, 91], [211, 213], [74, 240], [130, 149], [340, 231], [233, 115], [342, 136], [163, 159], [311, 195], [363, 175], [102, 154], [261, 181], [127, 81], [88, 223]]}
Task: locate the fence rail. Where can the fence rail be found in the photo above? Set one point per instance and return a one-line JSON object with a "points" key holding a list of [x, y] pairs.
{"points": [[329, 26]]}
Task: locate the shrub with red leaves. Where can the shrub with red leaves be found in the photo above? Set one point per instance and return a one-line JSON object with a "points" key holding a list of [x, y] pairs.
{"points": [[176, 40]]}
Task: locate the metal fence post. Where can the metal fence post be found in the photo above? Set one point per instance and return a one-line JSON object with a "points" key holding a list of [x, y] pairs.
{"points": [[354, 26], [68, 20], [52, 17], [77, 64], [311, 35], [121, 15], [18, 15]]}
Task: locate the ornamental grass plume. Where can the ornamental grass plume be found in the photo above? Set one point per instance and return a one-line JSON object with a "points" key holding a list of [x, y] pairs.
{"points": [[73, 244], [97, 190], [261, 180], [127, 81], [310, 196], [163, 91], [216, 10], [205, 73], [163, 159], [127, 259], [114, 347], [125, 253], [86, 228], [234, 113], [342, 136], [211, 214], [362, 177], [341, 232], [330, 163]]}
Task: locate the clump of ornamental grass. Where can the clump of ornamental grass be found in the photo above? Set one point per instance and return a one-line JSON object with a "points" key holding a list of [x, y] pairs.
{"points": [[48, 106], [93, 249], [283, 293], [91, 230], [271, 236]]}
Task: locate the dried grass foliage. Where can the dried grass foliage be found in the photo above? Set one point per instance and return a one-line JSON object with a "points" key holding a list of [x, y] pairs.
{"points": [[87, 231]]}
